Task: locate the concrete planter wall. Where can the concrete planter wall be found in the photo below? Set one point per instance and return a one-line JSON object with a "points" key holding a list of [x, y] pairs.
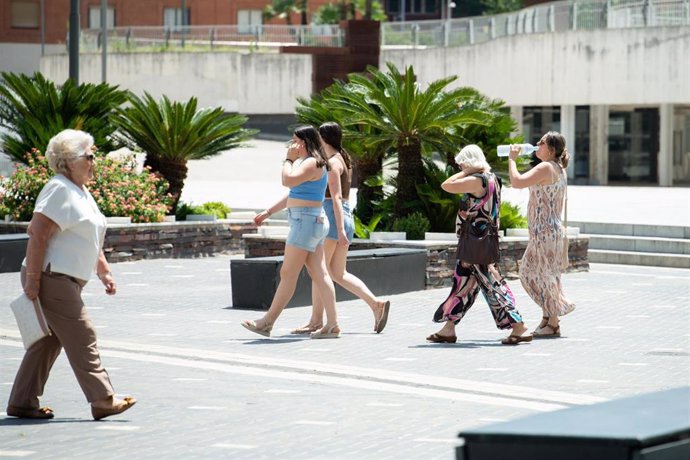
{"points": [[201, 218], [387, 236], [440, 254]]}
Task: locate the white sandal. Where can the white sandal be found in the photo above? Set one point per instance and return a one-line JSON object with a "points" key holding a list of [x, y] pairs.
{"points": [[332, 332], [251, 325]]}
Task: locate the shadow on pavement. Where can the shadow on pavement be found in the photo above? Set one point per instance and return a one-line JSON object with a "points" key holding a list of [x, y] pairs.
{"points": [[12, 421], [464, 344]]}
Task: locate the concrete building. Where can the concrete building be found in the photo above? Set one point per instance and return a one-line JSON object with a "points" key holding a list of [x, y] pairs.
{"points": [[32, 28], [612, 76]]}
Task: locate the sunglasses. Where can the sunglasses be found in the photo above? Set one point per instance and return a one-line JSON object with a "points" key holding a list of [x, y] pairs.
{"points": [[88, 156]]}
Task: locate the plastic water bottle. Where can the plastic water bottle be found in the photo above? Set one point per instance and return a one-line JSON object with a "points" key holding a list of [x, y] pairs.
{"points": [[504, 150]]}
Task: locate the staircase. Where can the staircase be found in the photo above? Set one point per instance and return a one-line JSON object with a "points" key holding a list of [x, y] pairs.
{"points": [[633, 244]]}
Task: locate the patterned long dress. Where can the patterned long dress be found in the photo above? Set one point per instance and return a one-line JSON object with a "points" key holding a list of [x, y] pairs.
{"points": [[540, 268], [469, 279]]}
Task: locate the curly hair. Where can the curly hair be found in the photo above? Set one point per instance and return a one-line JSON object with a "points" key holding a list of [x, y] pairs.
{"points": [[472, 155], [65, 146]]}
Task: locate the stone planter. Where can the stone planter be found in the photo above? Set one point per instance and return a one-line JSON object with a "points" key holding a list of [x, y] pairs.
{"points": [[387, 236], [118, 220], [517, 232], [202, 217]]}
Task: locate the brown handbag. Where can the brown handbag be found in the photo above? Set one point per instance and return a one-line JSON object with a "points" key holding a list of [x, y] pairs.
{"points": [[475, 247]]}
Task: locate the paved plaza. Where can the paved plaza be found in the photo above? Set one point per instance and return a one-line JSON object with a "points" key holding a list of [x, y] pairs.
{"points": [[207, 388]]}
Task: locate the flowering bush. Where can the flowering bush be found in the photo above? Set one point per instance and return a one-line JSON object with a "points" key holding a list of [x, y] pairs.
{"points": [[117, 188], [22, 188]]}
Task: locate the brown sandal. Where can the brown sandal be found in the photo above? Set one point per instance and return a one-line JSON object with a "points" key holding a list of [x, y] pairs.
{"points": [[516, 339], [100, 413], [25, 412], [381, 323], [438, 338], [555, 332]]}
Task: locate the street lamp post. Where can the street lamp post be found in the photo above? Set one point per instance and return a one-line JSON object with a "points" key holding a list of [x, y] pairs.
{"points": [[183, 7], [448, 13], [104, 39], [74, 28]]}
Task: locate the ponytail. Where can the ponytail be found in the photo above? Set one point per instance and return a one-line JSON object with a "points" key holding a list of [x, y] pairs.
{"points": [[564, 158]]}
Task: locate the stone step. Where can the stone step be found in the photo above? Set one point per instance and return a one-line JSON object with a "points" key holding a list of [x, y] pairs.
{"points": [[659, 231], [640, 244], [654, 259], [273, 230]]}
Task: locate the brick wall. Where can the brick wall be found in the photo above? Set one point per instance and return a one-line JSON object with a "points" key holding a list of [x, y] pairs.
{"points": [[132, 13], [165, 240]]}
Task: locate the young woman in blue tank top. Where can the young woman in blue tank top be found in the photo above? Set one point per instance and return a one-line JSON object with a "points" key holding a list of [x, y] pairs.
{"points": [[340, 233], [305, 173]]}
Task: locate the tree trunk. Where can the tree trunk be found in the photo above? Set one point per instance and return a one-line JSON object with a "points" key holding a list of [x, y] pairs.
{"points": [[367, 9], [450, 161], [410, 173], [366, 168], [174, 171]]}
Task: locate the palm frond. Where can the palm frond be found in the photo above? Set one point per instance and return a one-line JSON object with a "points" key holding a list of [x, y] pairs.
{"points": [[33, 109]]}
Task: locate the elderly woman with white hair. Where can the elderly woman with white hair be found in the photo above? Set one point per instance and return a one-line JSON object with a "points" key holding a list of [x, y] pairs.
{"points": [[479, 209], [66, 236]]}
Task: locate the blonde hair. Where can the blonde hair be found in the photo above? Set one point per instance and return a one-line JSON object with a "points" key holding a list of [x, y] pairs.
{"points": [[472, 155], [65, 146]]}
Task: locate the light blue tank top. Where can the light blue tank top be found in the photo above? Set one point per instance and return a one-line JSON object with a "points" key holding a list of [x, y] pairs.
{"points": [[313, 190]]}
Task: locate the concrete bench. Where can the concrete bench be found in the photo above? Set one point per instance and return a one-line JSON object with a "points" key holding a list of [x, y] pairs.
{"points": [[385, 271], [654, 426], [12, 251]]}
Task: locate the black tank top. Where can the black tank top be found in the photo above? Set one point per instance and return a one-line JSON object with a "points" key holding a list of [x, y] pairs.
{"points": [[345, 182]]}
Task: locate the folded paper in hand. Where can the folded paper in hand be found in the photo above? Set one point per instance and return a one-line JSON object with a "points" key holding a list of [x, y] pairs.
{"points": [[30, 319]]}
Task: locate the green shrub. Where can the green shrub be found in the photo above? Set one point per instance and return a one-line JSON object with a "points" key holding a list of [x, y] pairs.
{"points": [[183, 210], [363, 231], [118, 190], [414, 225], [216, 208], [511, 216]]}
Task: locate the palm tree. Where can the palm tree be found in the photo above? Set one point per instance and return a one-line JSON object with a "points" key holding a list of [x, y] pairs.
{"points": [[171, 133], [404, 117], [368, 163], [495, 132], [33, 109], [284, 9]]}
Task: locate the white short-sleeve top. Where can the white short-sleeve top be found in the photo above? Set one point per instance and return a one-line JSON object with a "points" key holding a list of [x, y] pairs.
{"points": [[73, 250]]}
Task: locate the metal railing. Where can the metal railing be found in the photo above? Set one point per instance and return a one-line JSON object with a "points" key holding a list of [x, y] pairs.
{"points": [[211, 38], [559, 16]]}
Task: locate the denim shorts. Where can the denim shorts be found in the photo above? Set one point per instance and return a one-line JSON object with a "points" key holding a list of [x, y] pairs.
{"points": [[308, 227], [348, 220]]}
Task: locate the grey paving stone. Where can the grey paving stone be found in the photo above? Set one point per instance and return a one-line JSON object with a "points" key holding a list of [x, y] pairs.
{"points": [[207, 388]]}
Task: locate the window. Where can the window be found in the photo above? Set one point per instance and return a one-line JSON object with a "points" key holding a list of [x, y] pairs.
{"points": [[247, 20], [25, 14], [95, 17], [413, 6], [172, 17]]}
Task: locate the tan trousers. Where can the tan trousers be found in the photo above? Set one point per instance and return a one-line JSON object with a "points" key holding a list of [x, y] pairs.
{"points": [[60, 297]]}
